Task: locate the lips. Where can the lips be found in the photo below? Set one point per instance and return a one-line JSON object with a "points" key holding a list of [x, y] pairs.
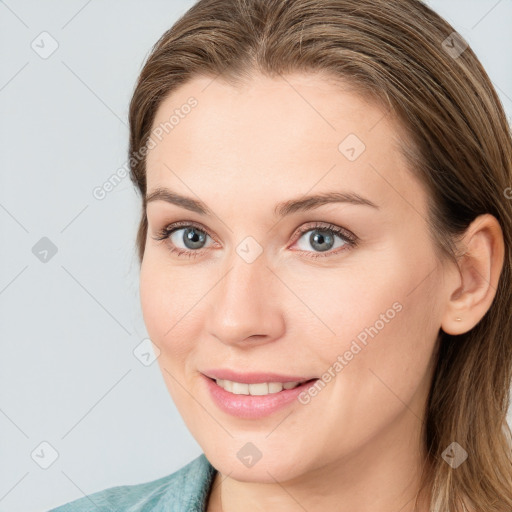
{"points": [[254, 377], [253, 407], [248, 406]]}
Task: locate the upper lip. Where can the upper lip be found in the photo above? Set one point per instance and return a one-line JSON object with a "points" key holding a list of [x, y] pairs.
{"points": [[253, 377]]}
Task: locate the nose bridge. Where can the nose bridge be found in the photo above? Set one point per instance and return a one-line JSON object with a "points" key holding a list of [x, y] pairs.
{"points": [[242, 304]]}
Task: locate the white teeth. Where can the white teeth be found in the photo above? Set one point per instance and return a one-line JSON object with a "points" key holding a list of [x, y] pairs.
{"points": [[260, 389], [275, 387], [240, 388]]}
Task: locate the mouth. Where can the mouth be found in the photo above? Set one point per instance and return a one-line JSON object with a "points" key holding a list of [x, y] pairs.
{"points": [[258, 388], [255, 400]]}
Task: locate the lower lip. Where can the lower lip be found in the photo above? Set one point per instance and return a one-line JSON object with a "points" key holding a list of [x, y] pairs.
{"points": [[253, 407]]}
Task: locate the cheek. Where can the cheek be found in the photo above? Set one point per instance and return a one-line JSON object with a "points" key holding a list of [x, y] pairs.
{"points": [[340, 304], [169, 321], [381, 317], [380, 366], [165, 306], [387, 347], [152, 299], [174, 301]]}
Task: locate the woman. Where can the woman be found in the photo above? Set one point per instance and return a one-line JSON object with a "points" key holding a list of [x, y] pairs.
{"points": [[325, 248]]}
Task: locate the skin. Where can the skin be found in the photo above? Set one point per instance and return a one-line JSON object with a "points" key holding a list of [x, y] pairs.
{"points": [[357, 445]]}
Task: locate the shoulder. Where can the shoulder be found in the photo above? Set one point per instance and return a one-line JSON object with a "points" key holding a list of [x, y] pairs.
{"points": [[184, 490]]}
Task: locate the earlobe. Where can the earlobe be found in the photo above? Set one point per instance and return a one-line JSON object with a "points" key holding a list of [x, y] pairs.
{"points": [[479, 269]]}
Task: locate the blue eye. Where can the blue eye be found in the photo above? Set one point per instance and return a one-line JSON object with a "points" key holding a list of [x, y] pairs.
{"points": [[193, 237], [323, 239]]}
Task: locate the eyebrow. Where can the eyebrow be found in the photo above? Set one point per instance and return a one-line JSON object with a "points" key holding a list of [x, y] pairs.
{"points": [[283, 209]]}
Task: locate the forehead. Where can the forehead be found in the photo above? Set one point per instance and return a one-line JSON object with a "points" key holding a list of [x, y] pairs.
{"points": [[278, 137]]}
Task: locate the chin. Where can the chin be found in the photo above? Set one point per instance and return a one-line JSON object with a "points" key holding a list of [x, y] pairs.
{"points": [[265, 470]]}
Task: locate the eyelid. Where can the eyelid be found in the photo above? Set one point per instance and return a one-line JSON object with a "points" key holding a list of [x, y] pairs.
{"points": [[174, 226], [325, 226]]}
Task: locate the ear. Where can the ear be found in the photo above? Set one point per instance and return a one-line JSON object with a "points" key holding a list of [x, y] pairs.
{"points": [[472, 286]]}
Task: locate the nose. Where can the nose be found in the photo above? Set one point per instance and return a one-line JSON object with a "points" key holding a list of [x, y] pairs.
{"points": [[246, 306]]}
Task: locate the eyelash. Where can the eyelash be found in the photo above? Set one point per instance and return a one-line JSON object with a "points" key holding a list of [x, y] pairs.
{"points": [[350, 239]]}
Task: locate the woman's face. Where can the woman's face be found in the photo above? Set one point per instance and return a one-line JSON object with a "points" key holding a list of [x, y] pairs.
{"points": [[263, 290]]}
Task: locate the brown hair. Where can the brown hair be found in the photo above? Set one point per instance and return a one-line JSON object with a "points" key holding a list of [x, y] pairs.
{"points": [[459, 145]]}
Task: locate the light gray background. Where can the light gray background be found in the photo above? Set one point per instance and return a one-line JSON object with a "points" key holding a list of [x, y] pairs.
{"points": [[68, 375]]}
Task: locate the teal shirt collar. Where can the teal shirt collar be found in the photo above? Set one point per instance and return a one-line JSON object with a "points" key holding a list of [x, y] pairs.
{"points": [[186, 490]]}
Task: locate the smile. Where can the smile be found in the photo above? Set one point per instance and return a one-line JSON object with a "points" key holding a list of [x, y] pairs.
{"points": [[259, 389], [254, 400]]}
